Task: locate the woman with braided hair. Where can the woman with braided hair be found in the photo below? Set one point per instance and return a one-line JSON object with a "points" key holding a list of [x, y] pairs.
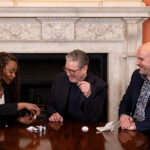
{"points": [[9, 93]]}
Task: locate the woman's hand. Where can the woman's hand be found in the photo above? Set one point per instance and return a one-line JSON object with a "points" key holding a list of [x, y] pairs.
{"points": [[31, 107], [26, 119]]}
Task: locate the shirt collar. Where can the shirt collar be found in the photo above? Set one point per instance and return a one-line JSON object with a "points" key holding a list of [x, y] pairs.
{"points": [[145, 78]]}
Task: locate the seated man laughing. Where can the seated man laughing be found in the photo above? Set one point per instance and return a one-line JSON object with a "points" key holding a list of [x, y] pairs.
{"points": [[76, 94]]}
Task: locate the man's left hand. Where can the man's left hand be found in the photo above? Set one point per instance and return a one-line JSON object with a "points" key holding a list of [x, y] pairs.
{"points": [[132, 126], [85, 88]]}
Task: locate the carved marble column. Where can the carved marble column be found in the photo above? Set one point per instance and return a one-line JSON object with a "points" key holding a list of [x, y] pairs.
{"points": [[132, 42]]}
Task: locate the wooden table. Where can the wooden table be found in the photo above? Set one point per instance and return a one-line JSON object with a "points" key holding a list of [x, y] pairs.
{"points": [[69, 136]]}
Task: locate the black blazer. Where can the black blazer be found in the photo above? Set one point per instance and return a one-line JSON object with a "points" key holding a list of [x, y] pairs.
{"points": [[91, 109], [129, 100], [8, 111]]}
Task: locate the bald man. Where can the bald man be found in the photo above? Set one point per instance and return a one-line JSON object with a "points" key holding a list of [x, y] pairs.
{"points": [[134, 110]]}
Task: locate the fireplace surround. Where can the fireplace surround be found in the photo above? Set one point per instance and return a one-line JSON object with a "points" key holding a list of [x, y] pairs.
{"points": [[114, 31]]}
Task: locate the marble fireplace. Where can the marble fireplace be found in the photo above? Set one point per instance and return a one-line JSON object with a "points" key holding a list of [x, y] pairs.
{"points": [[116, 31]]}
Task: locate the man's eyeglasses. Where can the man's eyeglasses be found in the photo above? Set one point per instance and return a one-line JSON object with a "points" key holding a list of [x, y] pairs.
{"points": [[71, 71]]}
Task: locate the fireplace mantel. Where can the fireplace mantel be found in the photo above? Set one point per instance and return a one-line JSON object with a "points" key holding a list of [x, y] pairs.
{"points": [[75, 12], [71, 3], [113, 30]]}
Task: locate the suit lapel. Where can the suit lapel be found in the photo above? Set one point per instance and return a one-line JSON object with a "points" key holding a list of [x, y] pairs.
{"points": [[63, 100]]}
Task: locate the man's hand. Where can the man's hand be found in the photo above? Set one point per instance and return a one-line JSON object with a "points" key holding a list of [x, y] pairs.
{"points": [[132, 126], [31, 107], [125, 121], [85, 88], [56, 125], [55, 117]]}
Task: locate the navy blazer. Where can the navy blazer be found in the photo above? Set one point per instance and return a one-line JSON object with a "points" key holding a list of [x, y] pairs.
{"points": [[91, 109], [129, 100]]}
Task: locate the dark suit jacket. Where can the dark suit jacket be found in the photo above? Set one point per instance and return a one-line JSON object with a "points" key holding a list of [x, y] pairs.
{"points": [[8, 111], [91, 109], [128, 103]]}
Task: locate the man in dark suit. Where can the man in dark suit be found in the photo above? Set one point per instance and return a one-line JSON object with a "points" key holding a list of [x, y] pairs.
{"points": [[76, 94], [134, 111]]}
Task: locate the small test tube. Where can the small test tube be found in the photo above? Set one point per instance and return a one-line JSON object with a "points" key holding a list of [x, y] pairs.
{"points": [[41, 128], [44, 127], [34, 117]]}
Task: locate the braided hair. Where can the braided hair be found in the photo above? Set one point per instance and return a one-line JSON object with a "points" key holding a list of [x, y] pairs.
{"points": [[13, 88]]}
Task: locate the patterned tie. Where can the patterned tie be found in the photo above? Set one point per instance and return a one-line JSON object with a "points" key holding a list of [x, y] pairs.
{"points": [[139, 114]]}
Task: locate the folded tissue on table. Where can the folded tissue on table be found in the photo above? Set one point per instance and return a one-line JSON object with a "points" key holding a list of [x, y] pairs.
{"points": [[107, 127], [31, 128]]}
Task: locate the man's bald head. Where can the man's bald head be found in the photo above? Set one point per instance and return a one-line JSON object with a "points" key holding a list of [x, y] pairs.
{"points": [[145, 47], [143, 59]]}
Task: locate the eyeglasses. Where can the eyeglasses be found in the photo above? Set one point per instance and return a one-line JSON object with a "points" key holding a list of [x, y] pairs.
{"points": [[71, 71]]}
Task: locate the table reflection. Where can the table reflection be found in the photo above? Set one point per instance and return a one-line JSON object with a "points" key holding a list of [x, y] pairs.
{"points": [[69, 136], [55, 125], [111, 140], [123, 139], [133, 139], [19, 138]]}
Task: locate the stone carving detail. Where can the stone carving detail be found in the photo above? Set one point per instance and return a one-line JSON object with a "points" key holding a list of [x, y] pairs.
{"points": [[57, 28], [94, 29], [54, 31], [15, 29], [19, 30]]}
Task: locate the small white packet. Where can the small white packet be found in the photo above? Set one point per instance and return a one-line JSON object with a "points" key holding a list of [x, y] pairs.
{"points": [[31, 129], [107, 127]]}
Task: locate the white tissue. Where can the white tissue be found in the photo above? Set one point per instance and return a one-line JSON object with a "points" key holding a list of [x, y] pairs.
{"points": [[31, 128], [107, 127]]}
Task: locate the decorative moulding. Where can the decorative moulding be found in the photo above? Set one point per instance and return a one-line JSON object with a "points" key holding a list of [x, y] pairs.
{"points": [[71, 3], [74, 12]]}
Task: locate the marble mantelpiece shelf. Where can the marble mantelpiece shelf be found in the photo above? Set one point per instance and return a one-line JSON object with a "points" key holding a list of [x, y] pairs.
{"points": [[74, 12]]}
